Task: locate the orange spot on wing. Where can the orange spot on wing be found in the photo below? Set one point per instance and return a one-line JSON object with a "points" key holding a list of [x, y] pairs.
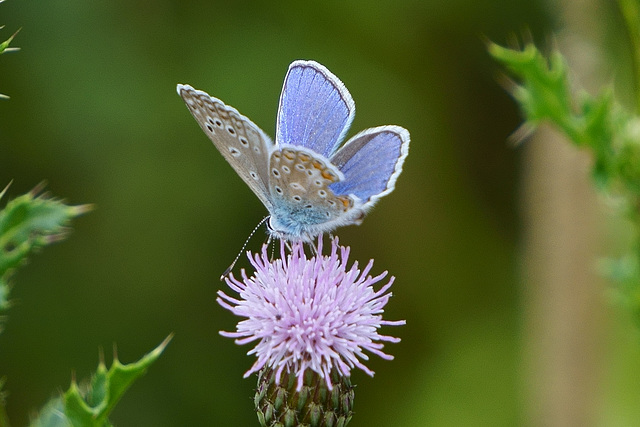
{"points": [[304, 157], [346, 202], [328, 175], [318, 164]]}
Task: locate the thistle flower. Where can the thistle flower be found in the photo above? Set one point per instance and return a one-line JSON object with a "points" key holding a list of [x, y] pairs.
{"points": [[310, 315]]}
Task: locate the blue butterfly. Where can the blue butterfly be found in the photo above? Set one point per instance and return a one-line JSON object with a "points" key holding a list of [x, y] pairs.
{"points": [[309, 182]]}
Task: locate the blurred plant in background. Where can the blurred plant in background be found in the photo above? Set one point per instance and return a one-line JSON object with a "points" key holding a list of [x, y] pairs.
{"points": [[28, 223], [593, 122]]}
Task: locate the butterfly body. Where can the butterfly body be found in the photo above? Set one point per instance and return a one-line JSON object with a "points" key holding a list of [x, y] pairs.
{"points": [[309, 182]]}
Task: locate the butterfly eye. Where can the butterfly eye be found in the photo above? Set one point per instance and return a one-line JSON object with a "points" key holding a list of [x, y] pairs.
{"points": [[286, 169], [318, 183], [322, 193], [219, 123], [253, 175], [210, 128], [231, 130], [300, 167], [234, 152], [275, 172], [297, 198], [278, 190], [244, 141]]}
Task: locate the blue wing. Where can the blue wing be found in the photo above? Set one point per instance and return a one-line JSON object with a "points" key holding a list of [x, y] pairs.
{"points": [[371, 162], [315, 108]]}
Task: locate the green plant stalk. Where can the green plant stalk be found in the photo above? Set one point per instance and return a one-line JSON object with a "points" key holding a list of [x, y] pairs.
{"points": [[631, 14]]}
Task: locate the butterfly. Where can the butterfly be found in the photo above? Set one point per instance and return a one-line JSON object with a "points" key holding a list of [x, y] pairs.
{"points": [[308, 180]]}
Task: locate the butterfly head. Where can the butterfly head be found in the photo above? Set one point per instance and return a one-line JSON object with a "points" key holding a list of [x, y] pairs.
{"points": [[307, 223]]}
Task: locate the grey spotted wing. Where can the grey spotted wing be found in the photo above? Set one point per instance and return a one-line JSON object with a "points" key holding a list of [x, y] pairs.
{"points": [[243, 144]]}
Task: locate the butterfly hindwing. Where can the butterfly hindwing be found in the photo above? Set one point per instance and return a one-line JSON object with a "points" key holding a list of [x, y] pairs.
{"points": [[243, 144], [315, 109], [299, 183], [371, 162]]}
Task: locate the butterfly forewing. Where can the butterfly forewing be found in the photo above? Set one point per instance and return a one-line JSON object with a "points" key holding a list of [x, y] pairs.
{"points": [[371, 162], [315, 108], [243, 144]]}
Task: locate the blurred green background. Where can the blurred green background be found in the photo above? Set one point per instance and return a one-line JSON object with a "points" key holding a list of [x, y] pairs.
{"points": [[94, 111]]}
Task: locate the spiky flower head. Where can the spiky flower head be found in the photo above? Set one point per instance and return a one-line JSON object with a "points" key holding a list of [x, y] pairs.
{"points": [[309, 313]]}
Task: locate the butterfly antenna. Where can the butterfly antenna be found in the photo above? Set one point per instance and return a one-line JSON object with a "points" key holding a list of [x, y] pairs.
{"points": [[228, 270]]}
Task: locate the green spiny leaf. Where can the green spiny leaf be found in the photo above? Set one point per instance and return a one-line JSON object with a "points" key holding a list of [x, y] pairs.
{"points": [[120, 377], [26, 224], [29, 222], [544, 92], [90, 406], [4, 46], [594, 122], [52, 415]]}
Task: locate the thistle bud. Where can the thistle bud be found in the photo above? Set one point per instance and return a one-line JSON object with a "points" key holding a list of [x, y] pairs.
{"points": [[314, 405]]}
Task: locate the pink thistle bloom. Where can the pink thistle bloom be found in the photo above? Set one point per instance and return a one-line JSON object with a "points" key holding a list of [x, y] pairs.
{"points": [[309, 313]]}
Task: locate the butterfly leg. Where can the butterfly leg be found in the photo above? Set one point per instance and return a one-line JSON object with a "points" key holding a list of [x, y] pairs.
{"points": [[314, 249]]}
